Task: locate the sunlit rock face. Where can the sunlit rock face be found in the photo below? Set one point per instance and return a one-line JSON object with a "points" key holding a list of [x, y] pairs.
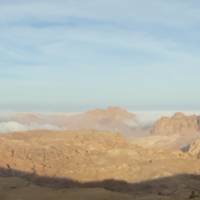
{"points": [[177, 124], [89, 156], [194, 149], [80, 155]]}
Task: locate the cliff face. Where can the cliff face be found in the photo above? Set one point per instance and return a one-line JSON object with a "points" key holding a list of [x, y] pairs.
{"points": [[195, 149], [178, 124]]}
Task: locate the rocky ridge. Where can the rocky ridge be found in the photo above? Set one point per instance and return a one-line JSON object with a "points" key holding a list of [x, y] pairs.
{"points": [[178, 124]]}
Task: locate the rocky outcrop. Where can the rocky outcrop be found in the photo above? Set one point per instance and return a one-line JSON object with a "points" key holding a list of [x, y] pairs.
{"points": [[194, 149], [178, 124]]}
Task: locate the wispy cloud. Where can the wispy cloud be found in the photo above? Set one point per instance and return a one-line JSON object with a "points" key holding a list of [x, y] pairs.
{"points": [[65, 37], [159, 11]]}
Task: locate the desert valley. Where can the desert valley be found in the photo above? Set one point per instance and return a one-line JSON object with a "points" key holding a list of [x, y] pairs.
{"points": [[99, 155]]}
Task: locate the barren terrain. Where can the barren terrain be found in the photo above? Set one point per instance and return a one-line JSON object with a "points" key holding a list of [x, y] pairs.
{"points": [[103, 165]]}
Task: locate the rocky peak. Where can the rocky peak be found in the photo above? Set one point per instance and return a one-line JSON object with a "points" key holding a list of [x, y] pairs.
{"points": [[177, 124], [112, 113]]}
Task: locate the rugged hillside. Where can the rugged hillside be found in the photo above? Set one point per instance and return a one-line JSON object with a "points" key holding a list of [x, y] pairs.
{"points": [[178, 124], [88, 155], [92, 165], [80, 155]]}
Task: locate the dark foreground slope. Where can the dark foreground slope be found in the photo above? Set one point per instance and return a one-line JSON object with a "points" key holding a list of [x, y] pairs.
{"points": [[22, 186]]}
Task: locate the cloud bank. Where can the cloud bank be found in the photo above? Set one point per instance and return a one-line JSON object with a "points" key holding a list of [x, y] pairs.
{"points": [[12, 126]]}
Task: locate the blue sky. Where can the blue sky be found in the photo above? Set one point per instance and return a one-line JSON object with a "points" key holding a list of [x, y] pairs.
{"points": [[67, 55]]}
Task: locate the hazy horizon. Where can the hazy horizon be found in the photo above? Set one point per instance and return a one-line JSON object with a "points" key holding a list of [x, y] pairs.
{"points": [[26, 121], [83, 108]]}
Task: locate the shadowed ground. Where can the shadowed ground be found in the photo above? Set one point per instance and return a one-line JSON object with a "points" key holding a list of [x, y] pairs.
{"points": [[16, 184]]}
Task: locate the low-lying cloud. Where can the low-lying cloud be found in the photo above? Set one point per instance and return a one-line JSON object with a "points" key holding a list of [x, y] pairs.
{"points": [[12, 126]]}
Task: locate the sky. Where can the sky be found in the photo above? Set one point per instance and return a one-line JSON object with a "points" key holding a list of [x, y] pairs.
{"points": [[70, 55]]}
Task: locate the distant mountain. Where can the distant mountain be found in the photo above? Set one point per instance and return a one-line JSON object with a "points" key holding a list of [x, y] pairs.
{"points": [[112, 119], [112, 113], [177, 124]]}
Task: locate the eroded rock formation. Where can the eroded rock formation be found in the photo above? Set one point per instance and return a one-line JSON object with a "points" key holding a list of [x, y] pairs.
{"points": [[178, 124]]}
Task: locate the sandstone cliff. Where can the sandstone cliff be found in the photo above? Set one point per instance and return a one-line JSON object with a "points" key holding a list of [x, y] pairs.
{"points": [[178, 124]]}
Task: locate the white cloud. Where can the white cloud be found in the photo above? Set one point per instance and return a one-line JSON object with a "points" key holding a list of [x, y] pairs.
{"points": [[156, 37], [12, 126], [6, 127], [27, 38]]}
